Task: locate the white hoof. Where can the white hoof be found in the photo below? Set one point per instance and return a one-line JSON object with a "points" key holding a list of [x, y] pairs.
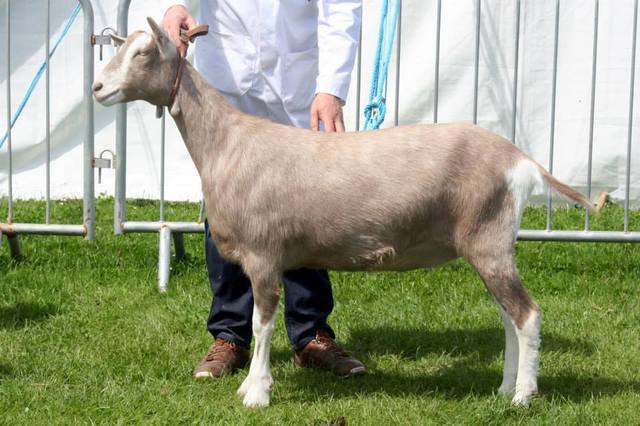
{"points": [[256, 396], [256, 392], [523, 396], [244, 387]]}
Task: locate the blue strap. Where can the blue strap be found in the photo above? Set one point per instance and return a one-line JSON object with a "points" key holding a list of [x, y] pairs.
{"points": [[376, 109], [41, 70]]}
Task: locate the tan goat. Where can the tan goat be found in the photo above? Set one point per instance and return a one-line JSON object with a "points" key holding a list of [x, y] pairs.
{"points": [[280, 198]]}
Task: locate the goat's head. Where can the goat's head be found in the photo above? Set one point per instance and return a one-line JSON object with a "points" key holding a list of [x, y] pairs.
{"points": [[143, 69]]}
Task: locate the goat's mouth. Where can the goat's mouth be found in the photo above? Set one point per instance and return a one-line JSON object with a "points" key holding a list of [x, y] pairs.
{"points": [[111, 98]]}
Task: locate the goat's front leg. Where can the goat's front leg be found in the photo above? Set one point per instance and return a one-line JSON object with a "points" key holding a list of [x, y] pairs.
{"points": [[266, 293]]}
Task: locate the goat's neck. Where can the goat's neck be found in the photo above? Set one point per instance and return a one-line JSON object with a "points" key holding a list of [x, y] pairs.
{"points": [[203, 117]]}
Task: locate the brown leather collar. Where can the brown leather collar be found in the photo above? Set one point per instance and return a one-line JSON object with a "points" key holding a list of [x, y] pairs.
{"points": [[186, 37]]}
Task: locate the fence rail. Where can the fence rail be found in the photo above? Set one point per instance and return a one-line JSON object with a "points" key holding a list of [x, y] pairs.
{"points": [[87, 229]]}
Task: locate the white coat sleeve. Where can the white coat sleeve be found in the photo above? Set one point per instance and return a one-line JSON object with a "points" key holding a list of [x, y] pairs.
{"points": [[338, 38]]}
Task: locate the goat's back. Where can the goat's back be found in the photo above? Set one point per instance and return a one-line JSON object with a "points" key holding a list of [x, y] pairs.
{"points": [[390, 199]]}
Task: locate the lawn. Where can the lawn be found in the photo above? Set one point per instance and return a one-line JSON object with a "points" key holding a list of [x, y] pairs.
{"points": [[86, 338]]}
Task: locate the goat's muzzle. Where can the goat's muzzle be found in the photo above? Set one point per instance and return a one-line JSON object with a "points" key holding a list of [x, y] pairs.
{"points": [[106, 98]]}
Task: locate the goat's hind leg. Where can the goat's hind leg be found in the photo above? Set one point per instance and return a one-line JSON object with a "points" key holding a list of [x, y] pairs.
{"points": [[266, 292], [510, 372], [521, 319]]}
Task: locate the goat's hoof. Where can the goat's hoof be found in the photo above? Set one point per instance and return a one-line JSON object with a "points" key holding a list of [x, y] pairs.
{"points": [[523, 396], [256, 396], [244, 387], [248, 383]]}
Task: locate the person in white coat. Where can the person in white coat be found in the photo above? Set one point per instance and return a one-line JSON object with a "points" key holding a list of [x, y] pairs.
{"points": [[289, 61]]}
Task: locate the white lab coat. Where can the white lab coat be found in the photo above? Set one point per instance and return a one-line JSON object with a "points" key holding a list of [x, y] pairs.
{"points": [[269, 57]]}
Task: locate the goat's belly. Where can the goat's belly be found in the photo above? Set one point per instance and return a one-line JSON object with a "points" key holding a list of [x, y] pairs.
{"points": [[388, 259]]}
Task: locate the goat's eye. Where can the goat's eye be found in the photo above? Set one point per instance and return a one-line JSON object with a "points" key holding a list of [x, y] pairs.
{"points": [[142, 53]]}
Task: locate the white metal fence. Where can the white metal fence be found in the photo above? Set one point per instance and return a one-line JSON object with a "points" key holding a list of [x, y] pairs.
{"points": [[166, 229], [169, 229], [11, 228]]}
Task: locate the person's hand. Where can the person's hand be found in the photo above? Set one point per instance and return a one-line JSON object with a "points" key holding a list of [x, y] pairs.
{"points": [[177, 17], [328, 109]]}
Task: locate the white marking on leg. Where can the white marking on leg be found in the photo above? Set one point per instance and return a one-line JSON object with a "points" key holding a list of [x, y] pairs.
{"points": [[523, 180], [510, 372], [528, 360], [255, 387]]}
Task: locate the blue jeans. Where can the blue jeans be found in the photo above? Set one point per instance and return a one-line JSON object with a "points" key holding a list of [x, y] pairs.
{"points": [[308, 301]]}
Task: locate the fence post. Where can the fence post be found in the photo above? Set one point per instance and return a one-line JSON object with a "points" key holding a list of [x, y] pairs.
{"points": [[553, 105], [12, 240], [516, 59], [632, 78], [178, 241], [88, 148], [164, 258], [120, 201], [14, 246], [436, 83]]}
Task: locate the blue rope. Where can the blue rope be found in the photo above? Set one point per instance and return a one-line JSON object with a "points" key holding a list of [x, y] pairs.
{"points": [[41, 70], [376, 109]]}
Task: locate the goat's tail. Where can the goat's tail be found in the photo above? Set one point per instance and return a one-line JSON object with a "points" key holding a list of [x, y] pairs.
{"points": [[567, 191]]}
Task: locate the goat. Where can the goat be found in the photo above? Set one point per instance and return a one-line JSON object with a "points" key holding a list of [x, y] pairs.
{"points": [[281, 198]]}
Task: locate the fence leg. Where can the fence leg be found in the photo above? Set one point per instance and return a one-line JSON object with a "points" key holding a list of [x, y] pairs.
{"points": [[178, 241], [14, 246], [164, 259]]}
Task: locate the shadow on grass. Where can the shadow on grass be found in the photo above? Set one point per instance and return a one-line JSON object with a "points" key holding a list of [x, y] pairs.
{"points": [[5, 370], [458, 382], [457, 379], [413, 343], [22, 314], [186, 265], [6, 260]]}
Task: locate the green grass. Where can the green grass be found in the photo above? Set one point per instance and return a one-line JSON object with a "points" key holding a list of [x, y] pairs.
{"points": [[86, 338]]}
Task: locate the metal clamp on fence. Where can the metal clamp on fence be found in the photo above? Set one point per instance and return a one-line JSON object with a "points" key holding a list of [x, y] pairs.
{"points": [[103, 39], [104, 163]]}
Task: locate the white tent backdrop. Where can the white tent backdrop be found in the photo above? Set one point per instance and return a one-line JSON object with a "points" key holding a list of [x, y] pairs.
{"points": [[416, 91]]}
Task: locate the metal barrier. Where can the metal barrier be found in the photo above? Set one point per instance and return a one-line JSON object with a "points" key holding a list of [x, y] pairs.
{"points": [[586, 235], [121, 225], [87, 229], [166, 229]]}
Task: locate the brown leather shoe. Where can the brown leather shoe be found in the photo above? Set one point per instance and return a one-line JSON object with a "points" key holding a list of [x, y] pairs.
{"points": [[223, 358], [324, 353]]}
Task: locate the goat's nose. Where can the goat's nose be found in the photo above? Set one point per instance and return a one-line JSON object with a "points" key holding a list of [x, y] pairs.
{"points": [[97, 86]]}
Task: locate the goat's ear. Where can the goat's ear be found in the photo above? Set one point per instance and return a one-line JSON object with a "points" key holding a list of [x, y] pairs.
{"points": [[158, 33], [117, 40]]}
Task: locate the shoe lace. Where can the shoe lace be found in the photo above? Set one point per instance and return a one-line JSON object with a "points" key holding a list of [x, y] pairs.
{"points": [[330, 345], [219, 349]]}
